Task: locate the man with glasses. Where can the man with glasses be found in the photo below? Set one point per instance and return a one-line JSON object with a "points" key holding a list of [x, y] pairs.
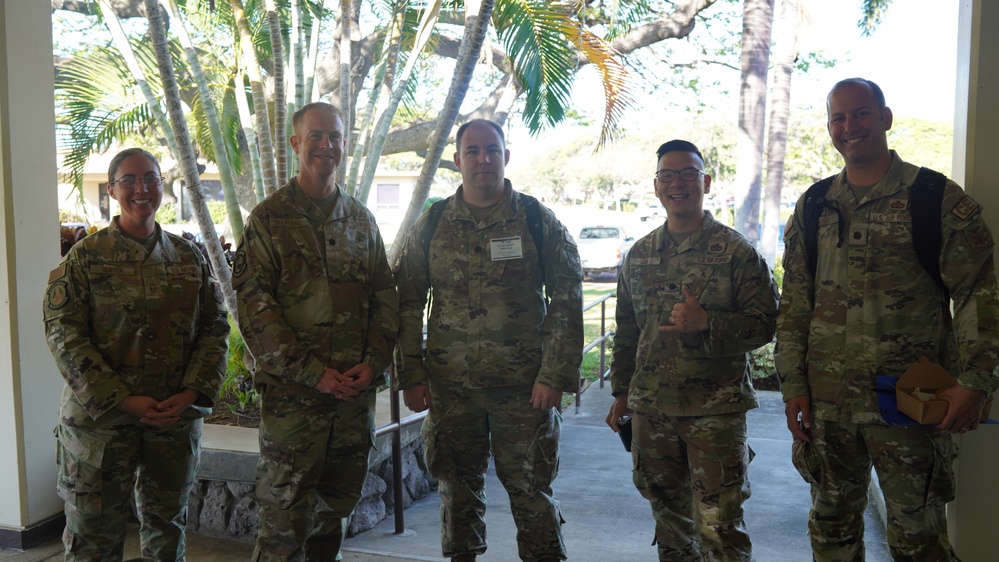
{"points": [[693, 299]]}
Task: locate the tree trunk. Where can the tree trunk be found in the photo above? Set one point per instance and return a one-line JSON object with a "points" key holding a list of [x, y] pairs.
{"points": [[277, 49], [381, 94], [214, 127], [189, 164], [476, 26], [246, 124], [757, 20], [125, 48], [785, 52], [250, 65], [346, 26], [427, 22]]}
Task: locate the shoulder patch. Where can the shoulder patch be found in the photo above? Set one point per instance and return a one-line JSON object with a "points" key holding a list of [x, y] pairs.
{"points": [[979, 237], [58, 273], [965, 208], [241, 268], [57, 295]]}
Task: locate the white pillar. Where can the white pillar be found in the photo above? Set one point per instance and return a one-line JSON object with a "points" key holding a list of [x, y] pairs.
{"points": [[972, 517], [29, 248]]}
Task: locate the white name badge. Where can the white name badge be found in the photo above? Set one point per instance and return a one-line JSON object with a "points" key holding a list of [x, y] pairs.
{"points": [[506, 248]]}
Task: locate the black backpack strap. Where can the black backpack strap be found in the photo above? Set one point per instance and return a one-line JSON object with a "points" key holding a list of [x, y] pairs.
{"points": [[925, 200], [534, 225], [815, 201]]}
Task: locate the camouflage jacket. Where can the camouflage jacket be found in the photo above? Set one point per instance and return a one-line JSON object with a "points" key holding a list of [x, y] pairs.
{"points": [[872, 309], [120, 323], [313, 297], [701, 373], [488, 325]]}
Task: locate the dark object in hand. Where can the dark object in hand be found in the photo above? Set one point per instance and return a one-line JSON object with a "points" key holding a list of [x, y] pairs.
{"points": [[624, 427]]}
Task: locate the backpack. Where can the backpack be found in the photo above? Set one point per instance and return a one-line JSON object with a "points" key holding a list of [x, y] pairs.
{"points": [[531, 206], [925, 200]]}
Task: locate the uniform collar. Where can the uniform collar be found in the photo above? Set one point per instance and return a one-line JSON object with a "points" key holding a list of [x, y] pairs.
{"points": [[663, 238]]}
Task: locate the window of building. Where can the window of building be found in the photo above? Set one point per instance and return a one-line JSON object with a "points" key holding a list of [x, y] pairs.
{"points": [[388, 195]]}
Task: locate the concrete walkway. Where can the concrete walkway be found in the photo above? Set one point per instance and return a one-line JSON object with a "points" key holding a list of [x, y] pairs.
{"points": [[606, 519]]}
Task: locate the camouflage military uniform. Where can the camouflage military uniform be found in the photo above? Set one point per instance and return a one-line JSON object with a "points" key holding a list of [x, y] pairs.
{"points": [[690, 392], [313, 292], [871, 310], [489, 339], [121, 323]]}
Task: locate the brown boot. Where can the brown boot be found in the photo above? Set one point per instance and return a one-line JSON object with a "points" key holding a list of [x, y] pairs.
{"points": [[463, 558]]}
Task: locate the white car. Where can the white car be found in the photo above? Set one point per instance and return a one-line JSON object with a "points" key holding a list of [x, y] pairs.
{"points": [[602, 248], [650, 211]]}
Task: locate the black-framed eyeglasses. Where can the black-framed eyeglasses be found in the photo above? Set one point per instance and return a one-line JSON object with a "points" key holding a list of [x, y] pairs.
{"points": [[129, 180], [687, 174]]}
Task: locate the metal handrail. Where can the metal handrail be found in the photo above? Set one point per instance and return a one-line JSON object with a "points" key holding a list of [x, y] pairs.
{"points": [[604, 371], [396, 425]]}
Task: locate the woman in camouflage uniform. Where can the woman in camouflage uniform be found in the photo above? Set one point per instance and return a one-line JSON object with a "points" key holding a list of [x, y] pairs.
{"points": [[137, 327]]}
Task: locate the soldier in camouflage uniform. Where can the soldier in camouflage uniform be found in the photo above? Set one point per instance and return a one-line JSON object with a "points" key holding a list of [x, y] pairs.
{"points": [[693, 299], [871, 309], [496, 362], [318, 310], [138, 329]]}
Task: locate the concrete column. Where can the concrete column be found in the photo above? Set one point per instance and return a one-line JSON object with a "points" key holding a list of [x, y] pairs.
{"points": [[29, 248], [972, 517]]}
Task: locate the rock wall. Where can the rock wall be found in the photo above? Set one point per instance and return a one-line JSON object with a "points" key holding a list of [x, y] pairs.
{"points": [[228, 508]]}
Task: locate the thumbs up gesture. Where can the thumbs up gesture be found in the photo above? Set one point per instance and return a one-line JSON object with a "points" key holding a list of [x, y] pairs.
{"points": [[686, 317]]}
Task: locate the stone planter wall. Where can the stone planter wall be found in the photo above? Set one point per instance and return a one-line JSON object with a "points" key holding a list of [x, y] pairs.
{"points": [[226, 506]]}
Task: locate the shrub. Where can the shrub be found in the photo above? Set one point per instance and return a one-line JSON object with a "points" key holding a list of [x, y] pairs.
{"points": [[761, 362], [167, 214], [238, 382], [218, 212]]}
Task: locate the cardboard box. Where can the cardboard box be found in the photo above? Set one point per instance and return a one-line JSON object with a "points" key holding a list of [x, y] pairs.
{"points": [[928, 377]]}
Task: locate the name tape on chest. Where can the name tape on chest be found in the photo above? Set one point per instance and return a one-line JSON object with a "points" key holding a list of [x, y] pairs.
{"points": [[510, 248]]}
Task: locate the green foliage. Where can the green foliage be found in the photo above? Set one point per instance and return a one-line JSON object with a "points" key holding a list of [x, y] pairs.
{"points": [[66, 216], [761, 362], [531, 32], [779, 272], [167, 213], [218, 211], [238, 382]]}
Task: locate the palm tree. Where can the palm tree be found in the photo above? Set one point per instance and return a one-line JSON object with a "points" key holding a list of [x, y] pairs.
{"points": [[757, 23], [188, 162], [212, 118], [476, 25], [785, 53]]}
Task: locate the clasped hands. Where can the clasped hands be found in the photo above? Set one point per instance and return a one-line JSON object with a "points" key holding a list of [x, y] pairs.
{"points": [[346, 385], [151, 411]]}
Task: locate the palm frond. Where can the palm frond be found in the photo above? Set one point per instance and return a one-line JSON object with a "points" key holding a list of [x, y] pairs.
{"points": [[531, 32], [614, 77]]}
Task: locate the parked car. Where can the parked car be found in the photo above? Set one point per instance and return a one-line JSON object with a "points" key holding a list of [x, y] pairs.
{"points": [[650, 210], [602, 248]]}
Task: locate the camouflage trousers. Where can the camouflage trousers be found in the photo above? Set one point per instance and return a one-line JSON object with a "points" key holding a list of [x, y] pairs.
{"points": [[458, 431], [694, 472], [99, 469], [915, 469], [312, 466]]}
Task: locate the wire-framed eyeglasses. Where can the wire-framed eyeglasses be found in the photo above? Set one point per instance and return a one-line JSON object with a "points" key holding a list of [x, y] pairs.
{"points": [[129, 180], [687, 174]]}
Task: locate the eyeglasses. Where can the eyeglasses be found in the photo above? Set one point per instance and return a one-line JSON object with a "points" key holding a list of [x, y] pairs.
{"points": [[151, 180], [686, 174]]}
